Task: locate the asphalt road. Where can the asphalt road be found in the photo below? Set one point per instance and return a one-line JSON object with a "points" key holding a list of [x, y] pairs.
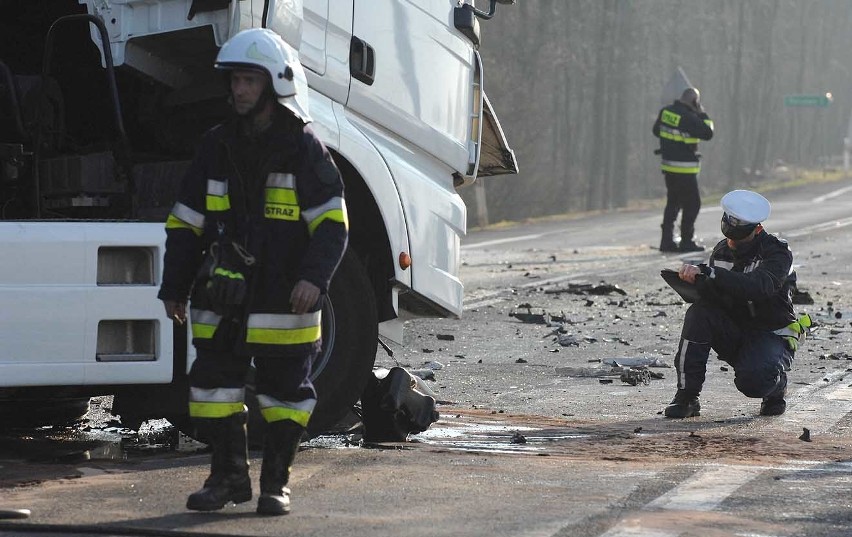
{"points": [[598, 458]]}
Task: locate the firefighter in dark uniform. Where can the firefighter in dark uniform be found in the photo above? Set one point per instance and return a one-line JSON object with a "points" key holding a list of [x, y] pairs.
{"points": [[253, 240], [744, 313], [680, 126]]}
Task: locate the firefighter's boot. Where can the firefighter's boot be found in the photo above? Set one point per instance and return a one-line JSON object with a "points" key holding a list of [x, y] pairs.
{"points": [[229, 479], [687, 244], [279, 451], [667, 243], [684, 405]]}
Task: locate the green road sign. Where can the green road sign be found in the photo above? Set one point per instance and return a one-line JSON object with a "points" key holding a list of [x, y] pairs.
{"points": [[808, 100]]}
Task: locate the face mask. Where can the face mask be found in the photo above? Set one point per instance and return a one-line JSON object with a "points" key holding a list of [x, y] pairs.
{"points": [[734, 228]]}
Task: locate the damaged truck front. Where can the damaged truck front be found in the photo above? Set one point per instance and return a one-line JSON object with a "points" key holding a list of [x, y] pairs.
{"points": [[101, 104]]}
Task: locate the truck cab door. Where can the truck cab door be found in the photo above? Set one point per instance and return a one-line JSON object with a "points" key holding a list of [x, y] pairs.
{"points": [[302, 24]]}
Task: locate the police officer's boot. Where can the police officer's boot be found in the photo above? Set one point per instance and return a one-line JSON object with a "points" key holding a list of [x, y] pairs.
{"points": [[667, 243], [684, 405], [229, 479], [774, 404], [279, 450]]}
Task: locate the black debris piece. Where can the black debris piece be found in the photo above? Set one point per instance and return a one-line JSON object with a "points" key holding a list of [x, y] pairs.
{"points": [[520, 361], [840, 355], [393, 408], [567, 340], [518, 438], [530, 318], [446, 337], [559, 318], [589, 303], [802, 297], [637, 430], [636, 376], [661, 314], [605, 381], [806, 435], [723, 368], [588, 289]]}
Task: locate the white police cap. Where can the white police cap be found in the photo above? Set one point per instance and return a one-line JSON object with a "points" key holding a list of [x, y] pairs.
{"points": [[746, 206]]}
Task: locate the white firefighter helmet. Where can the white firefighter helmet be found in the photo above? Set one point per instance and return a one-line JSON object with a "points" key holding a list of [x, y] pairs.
{"points": [[262, 49]]}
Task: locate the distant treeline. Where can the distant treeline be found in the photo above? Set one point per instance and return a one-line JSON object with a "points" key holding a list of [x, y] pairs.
{"points": [[577, 85]]}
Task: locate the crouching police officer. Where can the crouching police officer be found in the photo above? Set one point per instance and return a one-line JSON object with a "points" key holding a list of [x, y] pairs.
{"points": [[257, 232], [745, 311]]}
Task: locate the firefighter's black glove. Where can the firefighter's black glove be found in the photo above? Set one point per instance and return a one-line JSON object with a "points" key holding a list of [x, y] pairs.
{"points": [[227, 285]]}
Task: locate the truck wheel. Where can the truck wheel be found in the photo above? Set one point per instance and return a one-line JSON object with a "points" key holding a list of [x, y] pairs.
{"points": [[345, 363]]}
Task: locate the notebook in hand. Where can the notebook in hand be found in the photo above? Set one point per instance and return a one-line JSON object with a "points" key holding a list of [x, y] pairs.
{"points": [[687, 291]]}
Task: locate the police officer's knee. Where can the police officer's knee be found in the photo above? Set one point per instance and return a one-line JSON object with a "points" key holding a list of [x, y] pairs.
{"points": [[756, 383], [696, 313]]}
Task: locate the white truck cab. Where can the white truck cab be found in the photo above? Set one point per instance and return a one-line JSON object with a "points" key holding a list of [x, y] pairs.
{"points": [[94, 140]]}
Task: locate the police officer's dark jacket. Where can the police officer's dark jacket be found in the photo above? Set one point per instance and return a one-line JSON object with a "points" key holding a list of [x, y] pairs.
{"points": [[281, 196], [752, 283], [679, 129]]}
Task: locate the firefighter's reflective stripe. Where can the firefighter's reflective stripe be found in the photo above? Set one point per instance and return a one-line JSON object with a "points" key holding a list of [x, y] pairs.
{"points": [[228, 274], [216, 402], [670, 118], [204, 323], [709, 123], [283, 328], [676, 166], [274, 410], [334, 210], [676, 136], [184, 217], [217, 196], [281, 201]]}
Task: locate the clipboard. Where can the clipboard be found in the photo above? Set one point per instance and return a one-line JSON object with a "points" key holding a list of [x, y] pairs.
{"points": [[687, 291]]}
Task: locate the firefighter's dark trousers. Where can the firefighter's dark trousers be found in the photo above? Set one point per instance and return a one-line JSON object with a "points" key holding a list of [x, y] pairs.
{"points": [[681, 195], [760, 358], [285, 378]]}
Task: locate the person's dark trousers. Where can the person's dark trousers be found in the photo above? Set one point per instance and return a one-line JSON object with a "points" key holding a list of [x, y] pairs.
{"points": [[760, 358], [681, 195]]}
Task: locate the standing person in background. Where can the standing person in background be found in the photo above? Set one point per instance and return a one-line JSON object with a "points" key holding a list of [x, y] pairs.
{"points": [[253, 241], [679, 127]]}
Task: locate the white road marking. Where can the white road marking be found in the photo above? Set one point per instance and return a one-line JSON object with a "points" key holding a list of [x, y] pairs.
{"points": [[816, 407], [825, 226], [506, 240], [833, 194], [820, 409], [630, 531], [705, 490]]}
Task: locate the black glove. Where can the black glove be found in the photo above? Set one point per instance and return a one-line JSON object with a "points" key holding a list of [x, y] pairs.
{"points": [[227, 284]]}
